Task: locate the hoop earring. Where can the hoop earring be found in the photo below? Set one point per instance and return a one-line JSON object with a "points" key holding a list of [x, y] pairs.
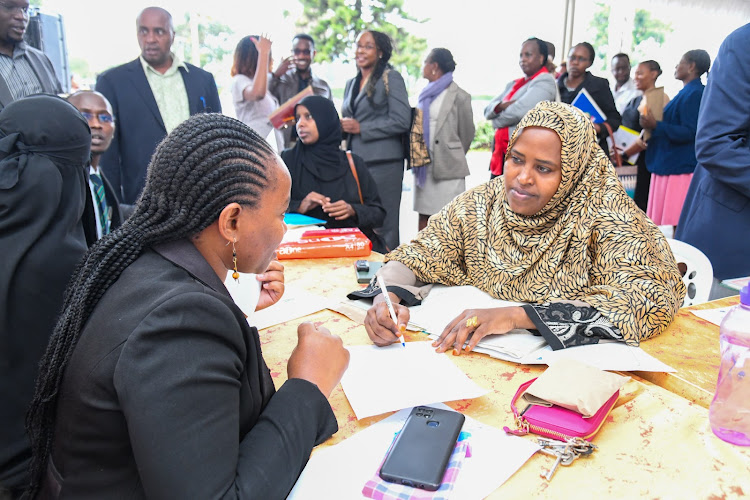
{"points": [[235, 274]]}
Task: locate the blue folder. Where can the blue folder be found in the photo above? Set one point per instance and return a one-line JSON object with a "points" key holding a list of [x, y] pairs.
{"points": [[586, 103], [292, 219]]}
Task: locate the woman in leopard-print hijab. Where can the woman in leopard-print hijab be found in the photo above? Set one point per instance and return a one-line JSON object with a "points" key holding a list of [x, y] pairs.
{"points": [[558, 232]]}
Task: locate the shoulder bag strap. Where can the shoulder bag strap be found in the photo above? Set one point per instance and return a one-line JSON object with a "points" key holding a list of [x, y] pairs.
{"points": [[618, 160], [356, 177]]}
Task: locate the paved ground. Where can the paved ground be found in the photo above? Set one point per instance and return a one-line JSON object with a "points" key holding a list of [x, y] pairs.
{"points": [[479, 162]]}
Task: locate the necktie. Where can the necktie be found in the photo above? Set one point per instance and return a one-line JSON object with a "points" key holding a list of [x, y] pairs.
{"points": [[101, 202]]}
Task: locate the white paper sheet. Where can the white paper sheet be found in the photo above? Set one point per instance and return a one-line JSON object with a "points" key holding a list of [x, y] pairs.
{"points": [[294, 304], [713, 315], [615, 356], [382, 379], [340, 472]]}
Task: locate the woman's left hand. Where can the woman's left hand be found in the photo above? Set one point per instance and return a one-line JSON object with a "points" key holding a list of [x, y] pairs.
{"points": [[479, 323], [339, 210], [350, 125], [272, 285], [648, 121]]}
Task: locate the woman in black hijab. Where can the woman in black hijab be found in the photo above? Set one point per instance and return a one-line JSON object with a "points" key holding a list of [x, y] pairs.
{"points": [[44, 146], [323, 180]]}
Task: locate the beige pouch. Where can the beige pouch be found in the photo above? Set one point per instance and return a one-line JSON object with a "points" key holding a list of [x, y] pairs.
{"points": [[575, 386]]}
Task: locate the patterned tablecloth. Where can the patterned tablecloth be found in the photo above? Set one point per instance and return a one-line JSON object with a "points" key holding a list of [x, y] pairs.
{"points": [[656, 443]]}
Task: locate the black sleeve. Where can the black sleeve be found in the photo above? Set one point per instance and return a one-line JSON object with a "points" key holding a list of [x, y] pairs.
{"points": [[295, 198], [179, 380], [213, 103], [603, 96], [111, 161], [565, 324], [371, 213]]}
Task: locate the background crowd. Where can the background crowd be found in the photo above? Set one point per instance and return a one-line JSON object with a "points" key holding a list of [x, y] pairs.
{"points": [[693, 163]]}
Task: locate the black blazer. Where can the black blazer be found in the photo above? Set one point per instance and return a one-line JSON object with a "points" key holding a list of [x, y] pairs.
{"points": [[602, 95], [167, 395], [89, 217], [139, 126]]}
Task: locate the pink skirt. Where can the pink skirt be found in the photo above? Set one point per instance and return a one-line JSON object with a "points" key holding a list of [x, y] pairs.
{"points": [[666, 197]]}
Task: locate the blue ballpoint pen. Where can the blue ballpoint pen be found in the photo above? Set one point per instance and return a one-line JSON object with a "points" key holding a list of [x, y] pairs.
{"points": [[384, 290]]}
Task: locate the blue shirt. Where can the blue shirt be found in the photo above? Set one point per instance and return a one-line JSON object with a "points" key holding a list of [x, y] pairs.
{"points": [[671, 149]]}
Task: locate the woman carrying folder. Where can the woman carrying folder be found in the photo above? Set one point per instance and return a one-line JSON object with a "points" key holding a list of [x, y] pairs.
{"points": [[153, 384], [645, 77], [580, 58], [557, 232]]}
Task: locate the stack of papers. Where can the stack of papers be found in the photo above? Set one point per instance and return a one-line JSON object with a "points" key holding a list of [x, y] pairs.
{"points": [[444, 303]]}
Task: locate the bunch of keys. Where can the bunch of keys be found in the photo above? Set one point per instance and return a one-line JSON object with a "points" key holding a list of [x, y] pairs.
{"points": [[565, 451]]}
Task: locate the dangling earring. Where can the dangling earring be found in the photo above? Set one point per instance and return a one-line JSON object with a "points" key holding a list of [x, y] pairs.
{"points": [[235, 274]]}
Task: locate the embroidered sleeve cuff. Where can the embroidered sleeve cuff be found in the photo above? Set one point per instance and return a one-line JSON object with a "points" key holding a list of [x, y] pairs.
{"points": [[542, 328]]}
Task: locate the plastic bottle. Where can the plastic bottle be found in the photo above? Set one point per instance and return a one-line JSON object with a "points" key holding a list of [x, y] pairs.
{"points": [[730, 409]]}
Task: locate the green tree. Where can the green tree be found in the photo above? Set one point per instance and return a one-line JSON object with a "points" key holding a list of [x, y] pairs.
{"points": [[334, 25], [646, 29], [213, 40]]}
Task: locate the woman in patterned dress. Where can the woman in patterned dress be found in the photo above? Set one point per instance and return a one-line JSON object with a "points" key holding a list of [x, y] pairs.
{"points": [[557, 232]]}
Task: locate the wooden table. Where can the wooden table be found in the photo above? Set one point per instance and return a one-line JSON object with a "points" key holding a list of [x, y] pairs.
{"points": [[655, 442], [691, 346]]}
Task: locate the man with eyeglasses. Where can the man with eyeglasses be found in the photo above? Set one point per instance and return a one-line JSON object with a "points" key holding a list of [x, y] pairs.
{"points": [[293, 75], [150, 96], [102, 213], [24, 70]]}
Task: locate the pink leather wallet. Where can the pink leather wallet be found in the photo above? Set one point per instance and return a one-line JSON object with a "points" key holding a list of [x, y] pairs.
{"points": [[557, 422]]}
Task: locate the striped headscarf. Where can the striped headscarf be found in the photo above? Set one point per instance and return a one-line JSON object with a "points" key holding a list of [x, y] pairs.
{"points": [[590, 242]]}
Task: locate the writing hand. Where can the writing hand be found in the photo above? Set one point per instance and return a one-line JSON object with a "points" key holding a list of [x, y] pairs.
{"points": [[378, 322], [272, 285]]}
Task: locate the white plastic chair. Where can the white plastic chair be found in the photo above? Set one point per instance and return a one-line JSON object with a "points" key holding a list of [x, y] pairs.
{"points": [[697, 271]]}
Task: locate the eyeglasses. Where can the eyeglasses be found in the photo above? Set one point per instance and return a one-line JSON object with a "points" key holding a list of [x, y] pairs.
{"points": [[366, 47], [103, 117], [302, 52], [12, 9]]}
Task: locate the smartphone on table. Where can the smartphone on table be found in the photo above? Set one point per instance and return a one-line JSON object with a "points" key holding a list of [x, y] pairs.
{"points": [[366, 270], [422, 449]]}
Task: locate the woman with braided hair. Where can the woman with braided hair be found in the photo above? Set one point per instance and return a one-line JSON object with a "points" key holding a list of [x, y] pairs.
{"points": [[376, 113], [153, 384]]}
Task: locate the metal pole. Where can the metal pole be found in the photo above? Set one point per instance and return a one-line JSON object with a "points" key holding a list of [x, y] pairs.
{"points": [[564, 51], [572, 22]]}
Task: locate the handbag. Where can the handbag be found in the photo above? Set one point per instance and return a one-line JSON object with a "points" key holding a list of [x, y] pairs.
{"points": [[415, 149], [555, 421], [412, 141]]}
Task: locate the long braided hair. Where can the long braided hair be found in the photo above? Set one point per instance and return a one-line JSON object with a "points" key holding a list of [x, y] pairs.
{"points": [[207, 162], [385, 46]]}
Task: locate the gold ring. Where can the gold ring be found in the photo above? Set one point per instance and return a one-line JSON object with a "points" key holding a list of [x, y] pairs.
{"points": [[471, 322]]}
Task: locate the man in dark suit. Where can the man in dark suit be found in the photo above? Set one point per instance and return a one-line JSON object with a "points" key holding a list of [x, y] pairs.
{"points": [[716, 214], [24, 70], [102, 214], [150, 96]]}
